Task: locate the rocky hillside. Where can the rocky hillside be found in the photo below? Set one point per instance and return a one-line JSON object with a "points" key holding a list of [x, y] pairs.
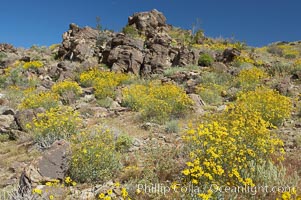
{"points": [[150, 113]]}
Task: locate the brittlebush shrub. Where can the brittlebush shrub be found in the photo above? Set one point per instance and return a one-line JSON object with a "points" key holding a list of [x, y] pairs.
{"points": [[94, 156], [54, 124], [33, 65], [272, 106], [248, 79], [225, 147], [103, 82], [43, 99], [157, 102], [69, 91]]}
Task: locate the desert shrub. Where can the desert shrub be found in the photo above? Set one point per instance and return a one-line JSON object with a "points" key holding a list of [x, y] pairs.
{"points": [[268, 173], [43, 99], [161, 163], [276, 50], [2, 56], [16, 75], [105, 102], [33, 65], [205, 60], [248, 79], [225, 146], [54, 124], [173, 70], [280, 69], [130, 31], [69, 91], [104, 82], [156, 101], [172, 126], [209, 78], [123, 143], [108, 194], [272, 106], [94, 156], [212, 85], [210, 93]]}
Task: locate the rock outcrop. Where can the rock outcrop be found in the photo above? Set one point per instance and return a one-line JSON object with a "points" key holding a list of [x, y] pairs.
{"points": [[125, 54], [80, 44], [149, 52], [147, 22]]}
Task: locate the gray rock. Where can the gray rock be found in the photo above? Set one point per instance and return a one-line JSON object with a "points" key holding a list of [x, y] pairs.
{"points": [[5, 110], [186, 57], [6, 121], [147, 21], [22, 117], [53, 164], [198, 103], [125, 59], [229, 55]]}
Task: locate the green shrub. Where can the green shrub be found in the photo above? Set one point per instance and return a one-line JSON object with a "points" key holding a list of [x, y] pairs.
{"points": [[130, 31], [94, 156], [123, 143], [172, 126], [205, 60]]}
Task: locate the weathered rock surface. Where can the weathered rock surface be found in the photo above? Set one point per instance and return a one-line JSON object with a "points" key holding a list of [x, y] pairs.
{"points": [[147, 21], [22, 117], [8, 48], [228, 55], [126, 55], [80, 44], [53, 164]]}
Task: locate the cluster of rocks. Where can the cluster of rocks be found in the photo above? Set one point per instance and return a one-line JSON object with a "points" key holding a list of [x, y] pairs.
{"points": [[150, 53]]}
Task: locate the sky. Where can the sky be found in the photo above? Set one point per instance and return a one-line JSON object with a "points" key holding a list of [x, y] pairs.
{"points": [[257, 22]]}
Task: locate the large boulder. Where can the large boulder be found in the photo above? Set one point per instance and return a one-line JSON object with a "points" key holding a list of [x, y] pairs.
{"points": [[6, 122], [53, 164], [147, 22], [157, 58], [80, 44], [186, 57], [126, 55], [8, 48], [229, 55]]}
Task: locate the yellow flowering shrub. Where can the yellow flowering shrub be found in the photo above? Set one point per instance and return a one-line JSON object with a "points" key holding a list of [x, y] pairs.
{"points": [[109, 194], [47, 192], [272, 106], [43, 99], [156, 101], [33, 65], [249, 78], [55, 123], [94, 157], [225, 146], [104, 82], [68, 90], [15, 75]]}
